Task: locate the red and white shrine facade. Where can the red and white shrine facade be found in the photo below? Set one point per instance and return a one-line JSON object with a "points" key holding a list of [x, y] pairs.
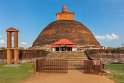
{"points": [[64, 45]]}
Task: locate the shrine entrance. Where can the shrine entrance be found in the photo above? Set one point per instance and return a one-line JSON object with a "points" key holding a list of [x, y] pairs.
{"points": [[64, 45], [63, 48]]}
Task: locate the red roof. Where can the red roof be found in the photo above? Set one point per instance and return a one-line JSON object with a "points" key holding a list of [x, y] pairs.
{"points": [[53, 46], [64, 41]]}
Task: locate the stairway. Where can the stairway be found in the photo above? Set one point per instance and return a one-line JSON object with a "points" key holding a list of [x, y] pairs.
{"points": [[75, 59]]}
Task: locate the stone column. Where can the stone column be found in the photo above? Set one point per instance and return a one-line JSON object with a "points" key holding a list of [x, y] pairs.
{"points": [[9, 56], [16, 56], [9, 48], [9, 40], [16, 53], [66, 49]]}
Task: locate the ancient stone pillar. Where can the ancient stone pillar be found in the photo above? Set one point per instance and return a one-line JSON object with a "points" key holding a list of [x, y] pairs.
{"points": [[9, 48], [16, 53], [9, 45], [16, 56], [9, 40]]}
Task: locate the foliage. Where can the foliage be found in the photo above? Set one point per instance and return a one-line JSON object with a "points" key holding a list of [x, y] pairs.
{"points": [[15, 74], [117, 72], [109, 48], [21, 48], [2, 48]]}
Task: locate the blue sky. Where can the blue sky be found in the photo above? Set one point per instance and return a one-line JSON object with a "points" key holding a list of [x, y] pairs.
{"points": [[105, 18]]}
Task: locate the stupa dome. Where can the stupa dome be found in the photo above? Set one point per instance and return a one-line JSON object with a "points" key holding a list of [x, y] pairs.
{"points": [[65, 27]]}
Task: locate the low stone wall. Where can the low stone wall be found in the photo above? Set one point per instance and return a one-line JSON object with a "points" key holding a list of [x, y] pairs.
{"points": [[25, 54], [106, 56], [3, 54]]}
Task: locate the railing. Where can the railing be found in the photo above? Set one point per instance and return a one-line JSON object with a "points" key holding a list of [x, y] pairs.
{"points": [[93, 66], [51, 65]]}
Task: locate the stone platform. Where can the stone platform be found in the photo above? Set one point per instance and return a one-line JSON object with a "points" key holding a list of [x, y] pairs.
{"points": [[75, 59]]}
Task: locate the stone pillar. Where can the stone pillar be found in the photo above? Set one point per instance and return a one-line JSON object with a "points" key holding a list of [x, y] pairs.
{"points": [[16, 53], [9, 56], [9, 45], [9, 40], [16, 56], [16, 39], [9, 48], [66, 49], [53, 49], [59, 48]]}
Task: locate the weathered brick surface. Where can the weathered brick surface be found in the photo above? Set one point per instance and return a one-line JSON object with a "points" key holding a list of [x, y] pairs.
{"points": [[69, 29], [25, 54], [65, 16]]}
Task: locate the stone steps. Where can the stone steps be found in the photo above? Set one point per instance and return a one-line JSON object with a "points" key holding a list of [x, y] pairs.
{"points": [[75, 59], [78, 58]]}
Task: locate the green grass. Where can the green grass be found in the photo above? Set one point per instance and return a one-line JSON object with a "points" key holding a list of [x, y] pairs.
{"points": [[15, 74], [117, 72]]}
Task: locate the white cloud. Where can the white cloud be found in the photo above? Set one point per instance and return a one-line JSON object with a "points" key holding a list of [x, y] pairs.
{"points": [[2, 41], [115, 36], [100, 37], [24, 43], [108, 37]]}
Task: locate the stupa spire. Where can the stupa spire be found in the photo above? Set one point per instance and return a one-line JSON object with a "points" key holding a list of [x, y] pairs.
{"points": [[64, 9], [65, 15]]}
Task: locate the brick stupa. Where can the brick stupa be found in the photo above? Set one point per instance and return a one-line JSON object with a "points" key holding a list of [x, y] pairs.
{"points": [[65, 27]]}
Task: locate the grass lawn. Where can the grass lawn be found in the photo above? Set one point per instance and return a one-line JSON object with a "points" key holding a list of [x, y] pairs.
{"points": [[117, 72], [15, 74]]}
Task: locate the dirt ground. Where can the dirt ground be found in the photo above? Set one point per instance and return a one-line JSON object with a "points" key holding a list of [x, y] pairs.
{"points": [[73, 76]]}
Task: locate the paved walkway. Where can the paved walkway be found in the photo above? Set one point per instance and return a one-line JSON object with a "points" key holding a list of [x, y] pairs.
{"points": [[73, 76]]}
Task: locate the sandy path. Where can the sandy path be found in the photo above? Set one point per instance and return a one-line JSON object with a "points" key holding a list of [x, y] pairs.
{"points": [[72, 76]]}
